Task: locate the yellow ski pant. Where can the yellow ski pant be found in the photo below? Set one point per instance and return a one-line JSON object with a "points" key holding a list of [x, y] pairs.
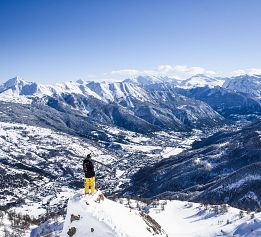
{"points": [[89, 185]]}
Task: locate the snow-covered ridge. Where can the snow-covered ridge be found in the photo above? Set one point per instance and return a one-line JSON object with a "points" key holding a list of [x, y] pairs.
{"points": [[198, 80], [148, 80], [201, 80], [240, 182], [19, 90], [95, 215], [247, 84], [179, 218], [111, 89], [105, 91]]}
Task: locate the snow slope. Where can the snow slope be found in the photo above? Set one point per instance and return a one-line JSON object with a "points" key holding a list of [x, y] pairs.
{"points": [[247, 84], [163, 218], [105, 91], [105, 218], [21, 90], [196, 220]]}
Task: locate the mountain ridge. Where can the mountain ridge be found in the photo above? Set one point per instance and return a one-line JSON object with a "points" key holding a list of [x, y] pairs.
{"points": [[125, 104]]}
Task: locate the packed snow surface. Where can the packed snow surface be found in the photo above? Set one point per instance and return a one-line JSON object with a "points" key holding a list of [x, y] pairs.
{"points": [[179, 218], [100, 217]]}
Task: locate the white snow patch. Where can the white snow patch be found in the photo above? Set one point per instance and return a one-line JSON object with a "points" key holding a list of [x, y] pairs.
{"points": [[192, 220], [103, 218], [171, 151], [244, 180], [204, 163], [8, 96]]}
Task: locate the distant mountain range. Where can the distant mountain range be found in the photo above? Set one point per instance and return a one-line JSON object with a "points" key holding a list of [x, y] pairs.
{"points": [[146, 103], [133, 105], [247, 84]]}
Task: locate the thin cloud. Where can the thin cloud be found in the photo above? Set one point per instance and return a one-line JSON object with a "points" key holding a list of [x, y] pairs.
{"points": [[177, 71], [180, 72], [124, 72], [249, 71]]}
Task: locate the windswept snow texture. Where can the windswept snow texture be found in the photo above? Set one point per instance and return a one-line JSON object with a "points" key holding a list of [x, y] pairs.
{"points": [[92, 216], [105, 218], [196, 220]]}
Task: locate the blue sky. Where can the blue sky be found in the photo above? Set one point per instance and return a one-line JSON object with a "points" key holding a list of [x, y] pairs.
{"points": [[59, 40]]}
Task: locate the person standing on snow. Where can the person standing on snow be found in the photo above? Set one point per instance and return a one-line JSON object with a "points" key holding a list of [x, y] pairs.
{"points": [[89, 172]]}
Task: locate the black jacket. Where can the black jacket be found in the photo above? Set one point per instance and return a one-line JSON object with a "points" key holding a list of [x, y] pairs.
{"points": [[88, 168]]}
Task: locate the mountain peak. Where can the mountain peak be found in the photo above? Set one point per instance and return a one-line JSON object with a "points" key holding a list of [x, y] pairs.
{"points": [[80, 81], [146, 80], [248, 84], [17, 80], [246, 76], [201, 80]]}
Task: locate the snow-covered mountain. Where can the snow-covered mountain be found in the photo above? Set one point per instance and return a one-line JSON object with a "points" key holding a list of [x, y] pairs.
{"points": [[109, 91], [104, 91], [228, 103], [17, 86], [201, 80], [250, 85], [126, 104], [149, 80], [223, 168], [138, 130]]}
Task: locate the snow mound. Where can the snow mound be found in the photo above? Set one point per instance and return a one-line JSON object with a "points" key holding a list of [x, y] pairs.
{"points": [[94, 215], [251, 228]]}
